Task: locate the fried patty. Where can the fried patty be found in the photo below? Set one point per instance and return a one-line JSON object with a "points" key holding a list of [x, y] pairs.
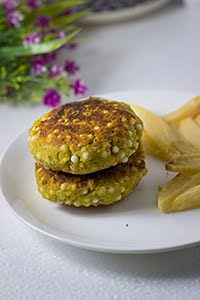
{"points": [[83, 137], [101, 188]]}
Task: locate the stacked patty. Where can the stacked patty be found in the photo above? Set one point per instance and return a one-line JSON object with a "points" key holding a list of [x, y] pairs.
{"points": [[88, 152]]}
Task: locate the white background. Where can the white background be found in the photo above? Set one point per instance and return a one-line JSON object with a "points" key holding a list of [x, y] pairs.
{"points": [[161, 51]]}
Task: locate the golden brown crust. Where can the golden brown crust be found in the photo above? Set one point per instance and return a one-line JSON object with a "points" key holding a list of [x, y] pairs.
{"points": [[85, 136], [93, 120]]}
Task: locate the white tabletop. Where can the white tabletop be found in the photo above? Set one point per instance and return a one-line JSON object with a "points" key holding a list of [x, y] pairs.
{"points": [[158, 52]]}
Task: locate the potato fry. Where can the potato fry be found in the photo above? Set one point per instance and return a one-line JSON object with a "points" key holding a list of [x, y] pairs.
{"points": [[175, 138], [197, 120], [183, 146], [150, 147], [158, 139], [191, 132], [181, 135], [187, 200], [180, 143], [190, 109], [172, 189], [185, 163]]}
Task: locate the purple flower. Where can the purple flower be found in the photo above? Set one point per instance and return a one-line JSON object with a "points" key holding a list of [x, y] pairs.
{"points": [[10, 4], [43, 21], [38, 65], [69, 12], [79, 87], [70, 67], [38, 69], [40, 59], [60, 35], [32, 38], [52, 98], [33, 3], [50, 57], [14, 18], [56, 70], [9, 90]]}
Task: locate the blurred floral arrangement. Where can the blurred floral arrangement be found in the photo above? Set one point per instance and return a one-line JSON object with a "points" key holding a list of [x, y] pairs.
{"points": [[32, 33]]}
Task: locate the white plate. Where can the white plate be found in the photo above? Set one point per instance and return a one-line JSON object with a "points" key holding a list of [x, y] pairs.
{"points": [[104, 228], [124, 14]]}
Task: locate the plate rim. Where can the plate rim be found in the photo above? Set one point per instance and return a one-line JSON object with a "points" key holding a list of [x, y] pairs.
{"points": [[134, 12], [84, 244]]}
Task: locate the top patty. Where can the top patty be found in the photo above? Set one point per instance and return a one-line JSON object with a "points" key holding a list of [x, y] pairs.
{"points": [[85, 136]]}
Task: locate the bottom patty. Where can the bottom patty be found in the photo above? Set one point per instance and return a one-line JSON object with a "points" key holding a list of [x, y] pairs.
{"points": [[101, 188]]}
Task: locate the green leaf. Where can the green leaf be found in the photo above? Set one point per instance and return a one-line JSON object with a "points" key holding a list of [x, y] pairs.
{"points": [[41, 48], [61, 21], [69, 27], [53, 9], [9, 34], [57, 8]]}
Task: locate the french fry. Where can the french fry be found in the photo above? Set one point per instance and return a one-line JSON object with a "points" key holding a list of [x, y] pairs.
{"points": [[158, 139], [180, 143], [185, 163], [191, 132], [148, 144], [190, 109], [183, 146], [187, 200], [175, 138], [150, 147], [172, 189], [197, 120]]}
